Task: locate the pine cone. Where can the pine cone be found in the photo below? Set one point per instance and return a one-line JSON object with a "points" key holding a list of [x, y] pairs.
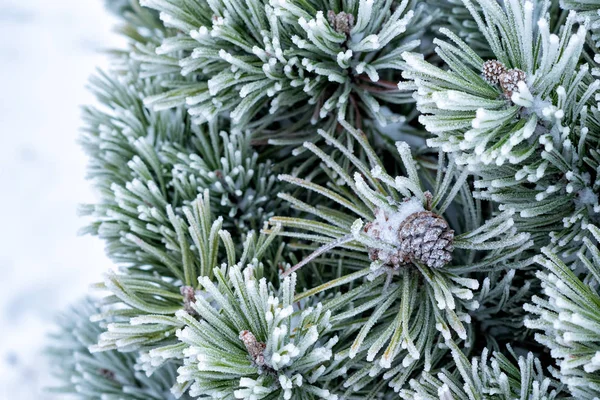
{"points": [[426, 237], [509, 80], [342, 22], [496, 73], [492, 69], [420, 236]]}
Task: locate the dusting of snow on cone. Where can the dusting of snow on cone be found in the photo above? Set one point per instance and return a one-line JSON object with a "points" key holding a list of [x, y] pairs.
{"points": [[415, 234]]}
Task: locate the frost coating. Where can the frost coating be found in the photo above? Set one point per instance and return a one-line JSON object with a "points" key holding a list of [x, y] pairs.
{"points": [[492, 375], [566, 315], [381, 272]]}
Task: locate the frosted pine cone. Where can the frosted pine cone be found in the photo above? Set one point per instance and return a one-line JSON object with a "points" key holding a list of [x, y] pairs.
{"points": [[496, 73], [492, 70], [509, 80], [426, 237], [342, 22], [415, 234]]}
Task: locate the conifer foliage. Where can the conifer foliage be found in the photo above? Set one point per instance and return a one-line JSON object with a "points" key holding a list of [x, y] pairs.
{"points": [[343, 199]]}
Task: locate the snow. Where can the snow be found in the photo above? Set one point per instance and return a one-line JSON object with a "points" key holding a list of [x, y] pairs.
{"points": [[586, 196], [388, 224], [47, 52]]}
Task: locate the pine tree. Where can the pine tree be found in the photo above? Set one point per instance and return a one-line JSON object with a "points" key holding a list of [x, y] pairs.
{"points": [[354, 199]]}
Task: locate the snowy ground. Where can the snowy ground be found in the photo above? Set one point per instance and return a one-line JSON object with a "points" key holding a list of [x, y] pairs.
{"points": [[48, 49]]}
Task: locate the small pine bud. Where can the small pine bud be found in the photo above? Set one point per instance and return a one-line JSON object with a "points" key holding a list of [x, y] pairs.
{"points": [[189, 298], [509, 80], [492, 70], [254, 347], [342, 22], [106, 373]]}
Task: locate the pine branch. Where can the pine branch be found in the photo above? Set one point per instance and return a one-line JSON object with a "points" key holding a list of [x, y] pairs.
{"points": [[418, 299], [294, 53], [522, 128], [99, 376], [485, 377], [567, 314]]}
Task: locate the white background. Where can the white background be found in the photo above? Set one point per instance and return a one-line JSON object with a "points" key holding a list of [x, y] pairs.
{"points": [[48, 50]]}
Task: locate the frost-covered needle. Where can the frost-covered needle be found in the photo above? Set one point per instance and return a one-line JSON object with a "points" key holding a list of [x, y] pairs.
{"points": [[318, 252]]}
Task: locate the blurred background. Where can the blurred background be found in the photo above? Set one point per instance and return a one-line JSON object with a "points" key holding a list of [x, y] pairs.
{"points": [[48, 50]]}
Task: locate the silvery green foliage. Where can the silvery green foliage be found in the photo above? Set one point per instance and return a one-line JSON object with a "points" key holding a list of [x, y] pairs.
{"points": [[144, 162], [252, 342], [457, 18], [485, 377], [140, 26], [527, 146], [99, 376], [141, 309], [412, 308], [588, 9], [306, 60], [500, 315], [418, 267], [154, 171], [568, 316], [140, 293]]}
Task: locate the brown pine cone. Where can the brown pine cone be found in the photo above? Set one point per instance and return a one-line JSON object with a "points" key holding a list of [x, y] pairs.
{"points": [[492, 69], [342, 22], [426, 237], [421, 236], [509, 80]]}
